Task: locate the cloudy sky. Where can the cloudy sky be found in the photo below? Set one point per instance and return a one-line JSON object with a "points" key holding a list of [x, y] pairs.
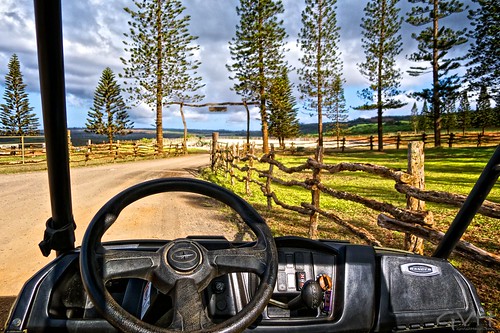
{"points": [[93, 35]]}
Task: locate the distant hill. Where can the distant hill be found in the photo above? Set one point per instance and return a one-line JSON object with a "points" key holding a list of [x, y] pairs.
{"points": [[357, 126], [80, 138], [402, 121]]}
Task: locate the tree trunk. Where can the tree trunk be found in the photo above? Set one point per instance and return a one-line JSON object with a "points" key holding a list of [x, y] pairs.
{"points": [[436, 105], [159, 84], [315, 193], [380, 124], [184, 138], [248, 126]]}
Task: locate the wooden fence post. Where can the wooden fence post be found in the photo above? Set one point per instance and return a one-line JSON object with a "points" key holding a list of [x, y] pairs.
{"points": [[450, 140], [398, 141], [251, 149], [213, 156], [315, 197], [424, 138], [371, 142], [416, 169], [231, 160], [343, 144], [268, 182], [479, 139]]}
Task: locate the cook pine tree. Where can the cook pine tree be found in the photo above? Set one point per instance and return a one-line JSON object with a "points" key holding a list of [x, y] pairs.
{"points": [[16, 116], [485, 116], [257, 53], [382, 44], [484, 52], [321, 82], [108, 116], [283, 122], [414, 117], [425, 118], [464, 115], [435, 44], [160, 61]]}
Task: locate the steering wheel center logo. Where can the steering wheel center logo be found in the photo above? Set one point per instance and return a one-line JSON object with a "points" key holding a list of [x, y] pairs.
{"points": [[183, 256]]}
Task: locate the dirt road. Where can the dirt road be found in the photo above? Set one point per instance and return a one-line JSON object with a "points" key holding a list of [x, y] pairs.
{"points": [[25, 206]]}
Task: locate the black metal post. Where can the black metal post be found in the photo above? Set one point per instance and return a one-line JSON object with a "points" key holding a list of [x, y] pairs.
{"points": [[470, 207], [59, 234]]}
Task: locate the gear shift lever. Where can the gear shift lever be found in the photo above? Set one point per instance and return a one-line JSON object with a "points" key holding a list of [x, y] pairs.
{"points": [[311, 296]]}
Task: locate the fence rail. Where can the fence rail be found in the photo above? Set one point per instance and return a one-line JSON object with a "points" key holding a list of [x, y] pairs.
{"points": [[31, 150], [242, 164], [399, 140]]}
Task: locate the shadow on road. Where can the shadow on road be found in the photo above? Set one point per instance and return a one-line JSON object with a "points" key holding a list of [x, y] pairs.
{"points": [[5, 305]]}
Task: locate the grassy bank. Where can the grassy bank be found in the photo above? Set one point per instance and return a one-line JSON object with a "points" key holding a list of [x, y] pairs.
{"points": [[451, 170]]}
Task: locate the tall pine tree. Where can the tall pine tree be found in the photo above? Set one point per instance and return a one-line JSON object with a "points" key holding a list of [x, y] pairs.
{"points": [[338, 112], [434, 45], [382, 43], [484, 53], [414, 117], [283, 122], [160, 52], [321, 83], [484, 112], [464, 116], [16, 114], [108, 116], [257, 52], [424, 119]]}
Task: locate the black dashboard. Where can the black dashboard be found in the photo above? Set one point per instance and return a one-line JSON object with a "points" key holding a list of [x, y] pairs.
{"points": [[322, 286]]}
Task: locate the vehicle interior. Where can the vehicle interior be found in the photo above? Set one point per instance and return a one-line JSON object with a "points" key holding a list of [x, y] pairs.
{"points": [[211, 284]]}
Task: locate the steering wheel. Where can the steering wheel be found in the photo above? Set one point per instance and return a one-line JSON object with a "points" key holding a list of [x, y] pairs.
{"points": [[182, 267]]}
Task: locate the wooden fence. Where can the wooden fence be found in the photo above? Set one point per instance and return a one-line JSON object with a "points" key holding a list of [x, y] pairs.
{"points": [[242, 165], [399, 141], [31, 150]]}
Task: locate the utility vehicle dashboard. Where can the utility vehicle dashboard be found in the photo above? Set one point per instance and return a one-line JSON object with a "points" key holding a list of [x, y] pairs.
{"points": [[321, 286]]}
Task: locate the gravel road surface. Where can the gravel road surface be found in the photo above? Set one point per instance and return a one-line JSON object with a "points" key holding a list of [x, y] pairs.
{"points": [[25, 206]]}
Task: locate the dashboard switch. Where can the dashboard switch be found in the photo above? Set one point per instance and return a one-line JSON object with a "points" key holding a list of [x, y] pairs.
{"points": [[300, 280], [282, 281]]}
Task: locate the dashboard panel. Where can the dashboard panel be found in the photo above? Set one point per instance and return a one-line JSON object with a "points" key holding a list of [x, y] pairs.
{"points": [[322, 286]]}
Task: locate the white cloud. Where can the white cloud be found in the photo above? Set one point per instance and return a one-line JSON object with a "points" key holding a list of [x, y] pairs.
{"points": [[93, 35]]}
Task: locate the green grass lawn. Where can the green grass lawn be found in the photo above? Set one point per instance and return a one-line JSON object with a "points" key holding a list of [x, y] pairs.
{"points": [[452, 170]]}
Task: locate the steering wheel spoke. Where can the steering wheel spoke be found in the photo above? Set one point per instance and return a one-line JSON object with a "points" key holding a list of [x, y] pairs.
{"points": [[189, 313], [129, 264], [245, 259]]}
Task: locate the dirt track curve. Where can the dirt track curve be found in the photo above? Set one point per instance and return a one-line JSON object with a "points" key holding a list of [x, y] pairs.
{"points": [[25, 206]]}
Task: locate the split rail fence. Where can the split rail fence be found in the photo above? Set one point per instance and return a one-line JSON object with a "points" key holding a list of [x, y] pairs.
{"points": [[244, 166], [31, 150]]}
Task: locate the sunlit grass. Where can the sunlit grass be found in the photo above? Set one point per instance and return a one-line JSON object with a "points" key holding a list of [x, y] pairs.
{"points": [[452, 170]]}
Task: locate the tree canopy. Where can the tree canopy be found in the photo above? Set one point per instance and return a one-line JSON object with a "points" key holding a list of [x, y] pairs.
{"points": [[16, 114], [108, 116], [382, 43], [161, 65], [257, 53], [434, 46]]}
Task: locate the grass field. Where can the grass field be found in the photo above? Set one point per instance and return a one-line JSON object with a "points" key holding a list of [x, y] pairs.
{"points": [[452, 170]]}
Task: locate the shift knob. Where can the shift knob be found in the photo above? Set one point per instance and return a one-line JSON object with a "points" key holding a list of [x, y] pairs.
{"points": [[311, 296]]}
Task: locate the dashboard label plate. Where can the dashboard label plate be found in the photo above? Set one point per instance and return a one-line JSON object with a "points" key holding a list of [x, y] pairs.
{"points": [[420, 269]]}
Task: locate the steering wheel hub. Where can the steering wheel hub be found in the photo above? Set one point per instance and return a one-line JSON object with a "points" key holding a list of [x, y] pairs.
{"points": [[184, 256]]}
